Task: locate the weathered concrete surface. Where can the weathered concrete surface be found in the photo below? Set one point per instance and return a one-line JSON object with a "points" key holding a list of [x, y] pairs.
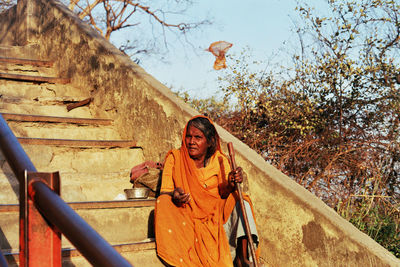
{"points": [[116, 226], [30, 90], [63, 131], [137, 258], [90, 160], [75, 187], [296, 228], [7, 26]]}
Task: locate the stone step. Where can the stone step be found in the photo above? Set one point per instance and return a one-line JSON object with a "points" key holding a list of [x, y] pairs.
{"points": [[87, 172], [17, 69], [78, 143], [118, 222], [29, 51], [74, 186], [50, 100], [53, 119], [33, 78], [55, 107], [63, 130], [94, 187], [94, 160], [138, 254], [32, 90], [27, 67], [25, 61], [66, 103]]}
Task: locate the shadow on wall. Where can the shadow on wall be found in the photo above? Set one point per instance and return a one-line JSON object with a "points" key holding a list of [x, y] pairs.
{"points": [[67, 259], [8, 20], [14, 183], [5, 246]]}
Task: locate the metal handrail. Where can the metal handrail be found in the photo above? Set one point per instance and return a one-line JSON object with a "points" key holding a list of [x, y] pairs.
{"points": [[13, 152], [3, 261], [87, 241]]}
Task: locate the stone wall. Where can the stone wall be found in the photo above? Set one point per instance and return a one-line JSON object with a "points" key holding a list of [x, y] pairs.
{"points": [[7, 26], [297, 229]]}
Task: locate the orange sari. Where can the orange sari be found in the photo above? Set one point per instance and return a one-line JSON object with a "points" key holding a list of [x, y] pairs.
{"points": [[193, 235]]}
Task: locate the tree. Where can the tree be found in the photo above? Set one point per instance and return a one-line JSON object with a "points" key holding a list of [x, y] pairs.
{"points": [[6, 4], [152, 24], [152, 20], [331, 119], [348, 74]]}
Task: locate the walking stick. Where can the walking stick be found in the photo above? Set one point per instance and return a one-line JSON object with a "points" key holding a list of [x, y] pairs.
{"points": [[242, 207]]}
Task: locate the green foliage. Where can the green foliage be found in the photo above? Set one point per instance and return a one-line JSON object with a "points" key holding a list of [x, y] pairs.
{"points": [[376, 217]]}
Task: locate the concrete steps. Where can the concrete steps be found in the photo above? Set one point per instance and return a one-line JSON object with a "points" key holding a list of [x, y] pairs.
{"points": [[30, 70], [53, 119], [63, 131], [95, 160], [42, 107], [57, 130], [90, 187], [136, 245], [28, 51], [118, 222], [33, 78], [31, 90], [87, 174], [26, 67], [14, 61], [138, 254], [74, 186]]}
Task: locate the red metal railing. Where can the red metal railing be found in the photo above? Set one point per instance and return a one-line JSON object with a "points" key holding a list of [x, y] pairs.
{"points": [[44, 215]]}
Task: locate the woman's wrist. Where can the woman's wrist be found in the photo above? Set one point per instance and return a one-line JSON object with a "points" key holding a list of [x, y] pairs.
{"points": [[226, 190], [231, 188]]}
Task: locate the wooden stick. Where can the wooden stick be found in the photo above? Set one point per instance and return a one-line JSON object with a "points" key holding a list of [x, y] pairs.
{"points": [[242, 207], [79, 104]]}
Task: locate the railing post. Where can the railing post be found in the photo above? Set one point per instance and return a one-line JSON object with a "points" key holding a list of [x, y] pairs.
{"points": [[40, 242]]}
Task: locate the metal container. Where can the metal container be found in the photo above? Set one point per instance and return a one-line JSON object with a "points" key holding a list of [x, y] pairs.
{"points": [[137, 193]]}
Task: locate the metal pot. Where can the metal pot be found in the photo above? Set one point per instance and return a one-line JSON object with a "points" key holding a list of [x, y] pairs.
{"points": [[137, 192]]}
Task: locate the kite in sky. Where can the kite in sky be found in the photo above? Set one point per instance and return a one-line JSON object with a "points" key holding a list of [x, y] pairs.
{"points": [[218, 49]]}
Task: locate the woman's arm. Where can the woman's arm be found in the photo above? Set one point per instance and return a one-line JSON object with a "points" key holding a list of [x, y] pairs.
{"points": [[178, 196]]}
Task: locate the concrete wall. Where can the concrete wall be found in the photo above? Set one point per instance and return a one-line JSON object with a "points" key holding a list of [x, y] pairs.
{"points": [[297, 229], [7, 26]]}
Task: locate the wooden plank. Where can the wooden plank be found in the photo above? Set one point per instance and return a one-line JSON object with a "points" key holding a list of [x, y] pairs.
{"points": [[77, 143], [41, 118], [79, 104], [24, 61], [30, 78]]}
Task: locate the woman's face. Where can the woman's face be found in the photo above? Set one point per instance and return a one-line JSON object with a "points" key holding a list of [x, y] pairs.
{"points": [[196, 143]]}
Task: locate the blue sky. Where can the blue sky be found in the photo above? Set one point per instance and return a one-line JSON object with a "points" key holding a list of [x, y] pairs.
{"points": [[261, 25]]}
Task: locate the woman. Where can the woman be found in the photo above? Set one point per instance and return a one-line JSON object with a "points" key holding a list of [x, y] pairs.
{"points": [[197, 199]]}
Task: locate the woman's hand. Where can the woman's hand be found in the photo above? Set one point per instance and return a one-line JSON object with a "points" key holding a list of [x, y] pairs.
{"points": [[179, 197], [234, 177]]}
